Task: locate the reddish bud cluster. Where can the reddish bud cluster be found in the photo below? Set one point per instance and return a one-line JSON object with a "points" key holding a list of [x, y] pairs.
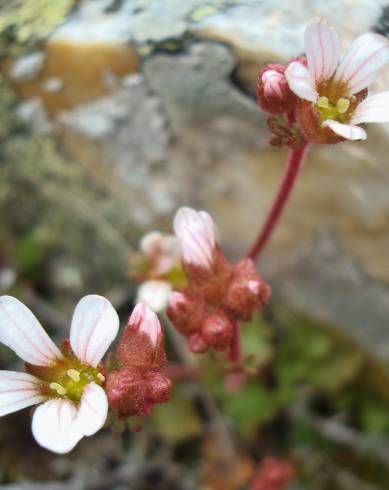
{"points": [[138, 383], [275, 97], [273, 474], [214, 299]]}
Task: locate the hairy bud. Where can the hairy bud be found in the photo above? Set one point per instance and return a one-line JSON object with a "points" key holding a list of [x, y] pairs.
{"points": [[185, 313], [247, 291], [217, 330], [137, 384], [273, 93]]}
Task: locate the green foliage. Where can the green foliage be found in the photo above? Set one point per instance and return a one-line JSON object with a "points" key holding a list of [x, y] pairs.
{"points": [[177, 420]]}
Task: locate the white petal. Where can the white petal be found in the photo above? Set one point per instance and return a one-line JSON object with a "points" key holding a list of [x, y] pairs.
{"points": [[300, 81], [348, 131], [17, 391], [154, 294], [95, 324], [196, 232], [55, 426], [190, 219], [322, 48], [374, 108], [93, 409], [150, 242], [21, 331], [196, 249], [361, 63]]}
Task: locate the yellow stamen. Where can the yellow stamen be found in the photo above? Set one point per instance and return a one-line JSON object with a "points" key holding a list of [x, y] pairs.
{"points": [[323, 102], [101, 377], [73, 374], [58, 388], [342, 105]]}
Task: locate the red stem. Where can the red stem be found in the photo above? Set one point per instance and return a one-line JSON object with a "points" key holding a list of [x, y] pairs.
{"points": [[294, 164], [235, 352]]}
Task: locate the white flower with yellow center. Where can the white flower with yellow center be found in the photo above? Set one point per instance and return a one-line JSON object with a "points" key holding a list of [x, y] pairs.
{"points": [[334, 93], [67, 383]]}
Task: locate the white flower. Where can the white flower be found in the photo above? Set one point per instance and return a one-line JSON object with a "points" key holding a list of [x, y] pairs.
{"points": [[196, 233], [157, 265], [162, 250], [335, 89], [67, 385], [155, 294]]}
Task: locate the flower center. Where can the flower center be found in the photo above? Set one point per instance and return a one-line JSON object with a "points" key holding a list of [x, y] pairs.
{"points": [[67, 378], [70, 383], [328, 109]]}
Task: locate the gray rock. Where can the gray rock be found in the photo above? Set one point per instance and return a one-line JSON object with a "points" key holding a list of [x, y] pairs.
{"points": [[194, 87], [321, 279]]}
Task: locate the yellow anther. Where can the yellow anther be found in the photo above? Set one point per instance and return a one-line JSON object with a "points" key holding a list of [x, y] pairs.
{"points": [[58, 388], [100, 377], [342, 105], [323, 102], [73, 374]]}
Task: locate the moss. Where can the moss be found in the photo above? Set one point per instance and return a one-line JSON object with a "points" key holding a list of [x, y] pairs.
{"points": [[25, 22]]}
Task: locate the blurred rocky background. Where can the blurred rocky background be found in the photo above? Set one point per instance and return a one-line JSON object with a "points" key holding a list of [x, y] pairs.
{"points": [[113, 114]]}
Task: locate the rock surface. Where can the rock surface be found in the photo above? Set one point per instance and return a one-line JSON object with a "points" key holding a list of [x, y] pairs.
{"points": [[155, 100]]}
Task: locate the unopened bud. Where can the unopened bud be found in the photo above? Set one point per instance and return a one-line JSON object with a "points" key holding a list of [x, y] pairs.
{"points": [[217, 330], [126, 393], [195, 231], [141, 344], [158, 388], [247, 291], [197, 344], [273, 92], [185, 313]]}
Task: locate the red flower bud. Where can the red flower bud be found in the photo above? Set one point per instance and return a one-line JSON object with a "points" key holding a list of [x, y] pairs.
{"points": [[185, 313], [158, 387], [273, 93], [142, 342], [197, 344], [138, 383], [217, 330], [247, 291]]}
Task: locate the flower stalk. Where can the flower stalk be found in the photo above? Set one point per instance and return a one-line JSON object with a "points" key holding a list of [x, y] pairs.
{"points": [[293, 166]]}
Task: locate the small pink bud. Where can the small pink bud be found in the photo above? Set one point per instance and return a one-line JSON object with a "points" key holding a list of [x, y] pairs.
{"points": [[147, 322], [254, 286], [185, 313], [158, 388], [247, 291], [217, 330], [197, 344], [273, 92]]}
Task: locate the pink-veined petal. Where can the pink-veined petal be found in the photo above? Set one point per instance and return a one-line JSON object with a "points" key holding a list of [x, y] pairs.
{"points": [[197, 221], [300, 81], [374, 108], [18, 391], [21, 331], [347, 131], [361, 63], [95, 325], [196, 233], [93, 409], [55, 425], [147, 322], [154, 294], [322, 48]]}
